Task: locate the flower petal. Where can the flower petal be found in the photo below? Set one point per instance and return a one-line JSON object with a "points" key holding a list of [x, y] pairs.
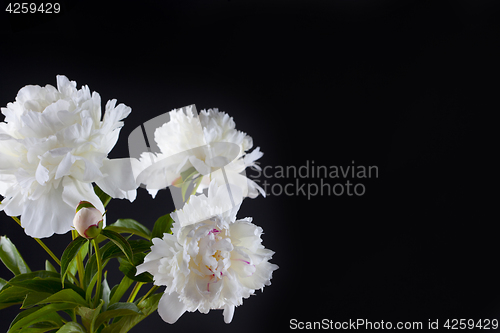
{"points": [[199, 165], [228, 313], [170, 307], [118, 180], [250, 159], [148, 266], [65, 86], [65, 165], [42, 174], [13, 206], [47, 215]]}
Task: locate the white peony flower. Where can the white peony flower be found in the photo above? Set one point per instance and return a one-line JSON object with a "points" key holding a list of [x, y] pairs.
{"points": [[212, 263], [204, 144], [53, 146]]}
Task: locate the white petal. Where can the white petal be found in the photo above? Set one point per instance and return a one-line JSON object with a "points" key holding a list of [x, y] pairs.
{"points": [[91, 172], [60, 151], [42, 174], [253, 187], [161, 247], [118, 180], [148, 266], [65, 165], [250, 159], [47, 215], [228, 313], [65, 86], [261, 277], [13, 206], [170, 307], [199, 165], [152, 192]]}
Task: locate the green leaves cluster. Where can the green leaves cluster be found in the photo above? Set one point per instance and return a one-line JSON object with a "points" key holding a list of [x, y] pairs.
{"points": [[71, 301]]}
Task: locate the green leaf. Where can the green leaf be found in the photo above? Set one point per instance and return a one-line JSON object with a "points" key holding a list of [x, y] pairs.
{"points": [[38, 328], [90, 270], [65, 296], [120, 289], [33, 298], [49, 267], [72, 327], [105, 292], [69, 254], [113, 251], [89, 315], [121, 242], [100, 239], [129, 269], [23, 314], [148, 306], [90, 287], [50, 285], [3, 283], [73, 265], [105, 198], [11, 257], [43, 314], [12, 295], [117, 310], [131, 227], [33, 275], [162, 226]]}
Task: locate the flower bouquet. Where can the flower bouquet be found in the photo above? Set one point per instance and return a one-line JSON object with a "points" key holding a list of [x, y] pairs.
{"points": [[56, 178]]}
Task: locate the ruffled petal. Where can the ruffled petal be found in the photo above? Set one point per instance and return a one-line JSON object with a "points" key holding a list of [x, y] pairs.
{"points": [[13, 206], [65, 165], [65, 86], [42, 174], [47, 215], [149, 266]]}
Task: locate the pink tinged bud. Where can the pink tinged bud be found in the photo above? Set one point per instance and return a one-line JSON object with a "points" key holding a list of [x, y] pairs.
{"points": [[83, 204], [88, 222]]}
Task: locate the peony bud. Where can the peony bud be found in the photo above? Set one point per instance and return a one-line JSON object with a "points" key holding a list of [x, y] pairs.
{"points": [[88, 220]]}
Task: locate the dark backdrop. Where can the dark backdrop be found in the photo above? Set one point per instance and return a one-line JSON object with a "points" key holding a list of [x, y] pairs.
{"points": [[396, 84]]}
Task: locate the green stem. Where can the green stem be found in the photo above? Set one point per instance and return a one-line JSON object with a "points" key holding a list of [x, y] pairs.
{"points": [[99, 271], [134, 292], [42, 244], [197, 183], [79, 261], [73, 315], [152, 290]]}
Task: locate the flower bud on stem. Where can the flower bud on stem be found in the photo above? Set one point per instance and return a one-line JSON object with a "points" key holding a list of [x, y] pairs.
{"points": [[88, 220]]}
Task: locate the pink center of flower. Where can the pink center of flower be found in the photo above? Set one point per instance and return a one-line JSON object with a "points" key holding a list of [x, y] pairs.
{"points": [[213, 231]]}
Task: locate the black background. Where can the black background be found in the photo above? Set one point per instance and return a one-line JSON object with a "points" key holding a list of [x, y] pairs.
{"points": [[397, 84]]}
